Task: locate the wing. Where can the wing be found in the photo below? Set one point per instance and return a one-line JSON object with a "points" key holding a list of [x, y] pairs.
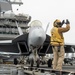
{"points": [[17, 46], [21, 38], [47, 48], [22, 43]]}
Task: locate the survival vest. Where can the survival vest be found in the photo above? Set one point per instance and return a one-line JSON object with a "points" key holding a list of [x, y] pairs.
{"points": [[56, 37]]}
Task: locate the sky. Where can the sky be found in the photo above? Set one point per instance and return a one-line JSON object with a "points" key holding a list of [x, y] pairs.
{"points": [[47, 11]]}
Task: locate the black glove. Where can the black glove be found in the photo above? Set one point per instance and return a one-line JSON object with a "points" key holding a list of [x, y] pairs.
{"points": [[62, 22], [67, 22]]}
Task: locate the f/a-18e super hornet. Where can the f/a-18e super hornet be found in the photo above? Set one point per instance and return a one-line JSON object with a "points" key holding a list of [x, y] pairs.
{"points": [[33, 44], [26, 44]]}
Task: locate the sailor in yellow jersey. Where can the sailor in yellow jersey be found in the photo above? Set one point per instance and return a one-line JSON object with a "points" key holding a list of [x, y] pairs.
{"points": [[57, 42]]}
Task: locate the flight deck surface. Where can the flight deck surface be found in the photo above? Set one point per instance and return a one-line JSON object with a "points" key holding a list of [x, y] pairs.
{"points": [[66, 69], [10, 69]]}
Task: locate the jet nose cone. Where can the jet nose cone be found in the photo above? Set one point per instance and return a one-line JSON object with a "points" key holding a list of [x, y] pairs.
{"points": [[37, 36], [40, 37]]}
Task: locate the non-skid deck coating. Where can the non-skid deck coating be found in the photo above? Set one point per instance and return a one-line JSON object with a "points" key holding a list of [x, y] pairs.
{"points": [[65, 68], [26, 70]]}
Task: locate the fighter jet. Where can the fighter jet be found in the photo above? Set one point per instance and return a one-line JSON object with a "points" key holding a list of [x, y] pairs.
{"points": [[33, 44], [27, 43]]}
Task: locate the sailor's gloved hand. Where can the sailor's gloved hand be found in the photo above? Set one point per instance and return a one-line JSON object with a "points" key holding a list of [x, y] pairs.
{"points": [[62, 22], [67, 21]]}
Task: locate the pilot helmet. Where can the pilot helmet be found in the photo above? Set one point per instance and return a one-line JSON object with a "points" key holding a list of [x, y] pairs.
{"points": [[57, 23]]}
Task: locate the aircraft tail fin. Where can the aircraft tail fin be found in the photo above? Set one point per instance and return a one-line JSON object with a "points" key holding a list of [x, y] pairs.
{"points": [[47, 27], [19, 29]]}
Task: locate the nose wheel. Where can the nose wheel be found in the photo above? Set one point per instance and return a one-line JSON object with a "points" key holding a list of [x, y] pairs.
{"points": [[32, 62], [34, 58], [37, 62]]}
